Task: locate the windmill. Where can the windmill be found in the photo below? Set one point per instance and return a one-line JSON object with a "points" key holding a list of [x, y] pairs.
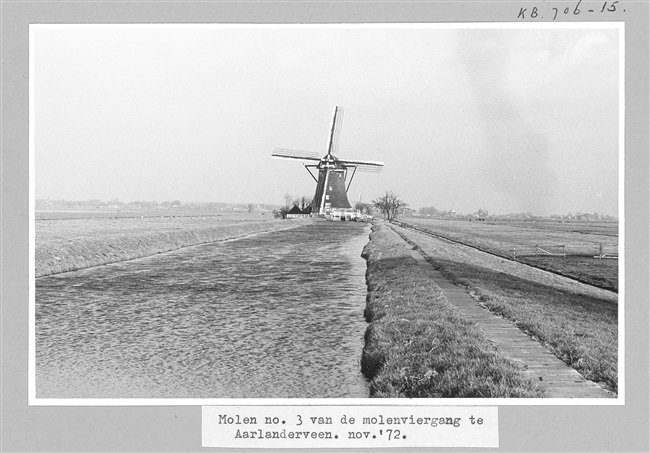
{"points": [[332, 183]]}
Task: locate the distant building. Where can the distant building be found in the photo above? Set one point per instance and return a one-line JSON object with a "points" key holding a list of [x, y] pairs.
{"points": [[296, 212]]}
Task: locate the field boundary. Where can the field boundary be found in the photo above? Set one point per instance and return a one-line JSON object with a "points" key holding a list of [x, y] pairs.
{"points": [[544, 250], [603, 251], [502, 255]]}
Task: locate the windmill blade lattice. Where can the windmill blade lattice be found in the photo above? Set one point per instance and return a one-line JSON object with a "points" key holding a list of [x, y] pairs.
{"points": [[285, 153], [369, 169], [363, 165], [337, 130]]}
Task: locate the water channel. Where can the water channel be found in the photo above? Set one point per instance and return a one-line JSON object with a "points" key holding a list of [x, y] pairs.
{"points": [[275, 315]]}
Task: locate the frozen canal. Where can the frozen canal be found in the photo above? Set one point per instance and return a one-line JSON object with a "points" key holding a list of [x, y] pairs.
{"points": [[277, 315]]}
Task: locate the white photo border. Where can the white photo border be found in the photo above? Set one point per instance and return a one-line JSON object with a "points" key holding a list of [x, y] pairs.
{"points": [[262, 402]]}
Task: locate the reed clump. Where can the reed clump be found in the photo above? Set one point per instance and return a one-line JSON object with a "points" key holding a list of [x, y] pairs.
{"points": [[417, 343]]}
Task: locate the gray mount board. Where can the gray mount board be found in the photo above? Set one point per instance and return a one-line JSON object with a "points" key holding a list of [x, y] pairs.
{"points": [[523, 428]]}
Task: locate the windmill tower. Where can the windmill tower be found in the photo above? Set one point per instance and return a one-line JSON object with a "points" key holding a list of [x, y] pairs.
{"points": [[332, 183]]}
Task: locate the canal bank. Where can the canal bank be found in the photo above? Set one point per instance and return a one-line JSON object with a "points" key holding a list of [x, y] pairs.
{"points": [[417, 343]]}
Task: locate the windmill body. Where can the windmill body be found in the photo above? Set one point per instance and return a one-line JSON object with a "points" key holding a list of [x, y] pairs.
{"points": [[333, 174]]}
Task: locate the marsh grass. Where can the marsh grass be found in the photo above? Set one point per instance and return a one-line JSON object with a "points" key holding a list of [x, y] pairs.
{"points": [[578, 322], [417, 343]]}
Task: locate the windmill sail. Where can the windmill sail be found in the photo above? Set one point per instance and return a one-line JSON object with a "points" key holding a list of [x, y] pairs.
{"points": [[284, 153], [337, 122], [363, 165], [331, 189]]}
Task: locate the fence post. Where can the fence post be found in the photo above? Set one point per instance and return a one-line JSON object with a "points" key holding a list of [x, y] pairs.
{"points": [[514, 252], [600, 251], [564, 251]]}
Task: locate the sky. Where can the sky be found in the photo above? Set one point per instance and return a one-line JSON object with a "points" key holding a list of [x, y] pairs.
{"points": [[503, 119]]}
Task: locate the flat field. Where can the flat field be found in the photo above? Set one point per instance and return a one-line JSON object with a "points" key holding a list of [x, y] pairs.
{"points": [[73, 239], [123, 213], [581, 240]]}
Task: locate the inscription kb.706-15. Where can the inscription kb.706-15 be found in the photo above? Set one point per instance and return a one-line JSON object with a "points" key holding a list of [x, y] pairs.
{"points": [[570, 12]]}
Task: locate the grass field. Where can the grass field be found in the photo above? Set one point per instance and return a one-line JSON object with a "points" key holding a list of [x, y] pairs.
{"points": [[578, 322], [114, 213], [581, 240], [417, 343], [70, 240]]}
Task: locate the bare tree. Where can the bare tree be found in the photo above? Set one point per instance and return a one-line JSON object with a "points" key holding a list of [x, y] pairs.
{"points": [[288, 201], [363, 208], [305, 201], [281, 213], [390, 205], [302, 202], [429, 211]]}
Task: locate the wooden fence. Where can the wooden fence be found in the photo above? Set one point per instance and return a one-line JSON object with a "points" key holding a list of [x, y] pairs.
{"points": [[607, 251], [601, 251], [538, 250]]}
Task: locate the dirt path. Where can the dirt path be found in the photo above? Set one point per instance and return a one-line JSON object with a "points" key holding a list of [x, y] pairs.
{"points": [[552, 375]]}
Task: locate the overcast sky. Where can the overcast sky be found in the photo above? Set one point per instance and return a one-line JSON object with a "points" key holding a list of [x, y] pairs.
{"points": [[507, 120]]}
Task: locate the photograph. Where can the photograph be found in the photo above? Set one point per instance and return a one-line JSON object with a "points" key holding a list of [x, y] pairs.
{"points": [[327, 213]]}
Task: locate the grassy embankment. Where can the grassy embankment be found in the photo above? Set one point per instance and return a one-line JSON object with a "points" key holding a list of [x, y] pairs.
{"points": [[70, 244], [417, 343], [581, 241], [578, 322]]}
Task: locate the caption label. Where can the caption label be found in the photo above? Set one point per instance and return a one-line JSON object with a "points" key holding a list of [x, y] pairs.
{"points": [[349, 426]]}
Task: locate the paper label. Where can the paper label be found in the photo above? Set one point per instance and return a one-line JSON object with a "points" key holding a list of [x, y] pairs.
{"points": [[349, 426]]}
